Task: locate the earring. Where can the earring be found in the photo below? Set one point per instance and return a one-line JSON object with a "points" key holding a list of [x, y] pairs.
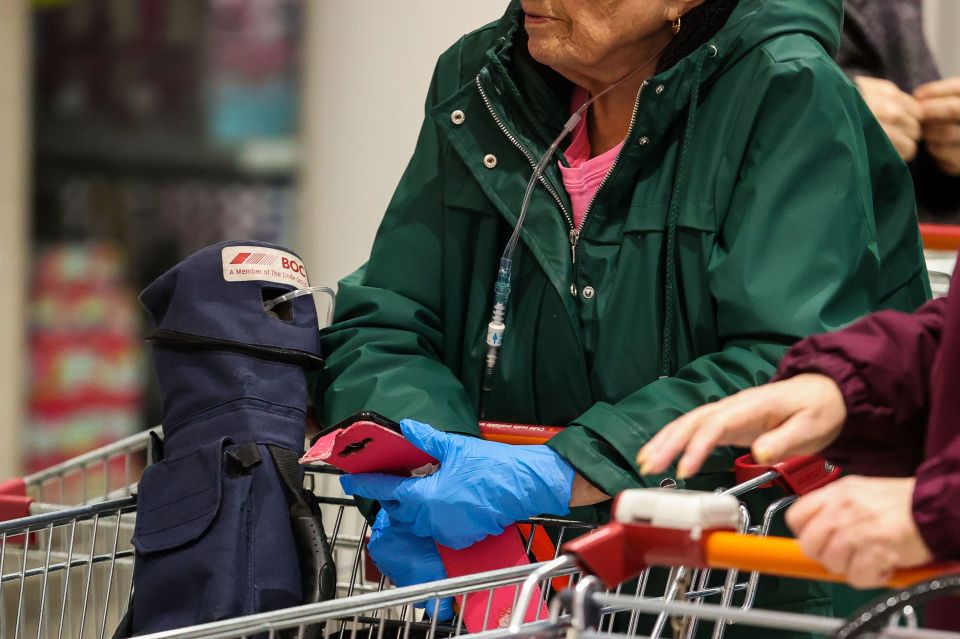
{"points": [[676, 23]]}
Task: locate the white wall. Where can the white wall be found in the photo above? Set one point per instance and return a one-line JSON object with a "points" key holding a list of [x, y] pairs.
{"points": [[942, 18], [368, 65], [14, 132]]}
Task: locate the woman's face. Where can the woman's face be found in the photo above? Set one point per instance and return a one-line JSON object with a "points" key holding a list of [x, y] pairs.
{"points": [[597, 38]]}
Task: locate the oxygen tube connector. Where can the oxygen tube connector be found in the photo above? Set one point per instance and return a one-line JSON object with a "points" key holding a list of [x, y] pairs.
{"points": [[495, 329]]}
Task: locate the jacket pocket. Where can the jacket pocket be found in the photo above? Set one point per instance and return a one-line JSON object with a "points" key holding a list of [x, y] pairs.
{"points": [[193, 537]]}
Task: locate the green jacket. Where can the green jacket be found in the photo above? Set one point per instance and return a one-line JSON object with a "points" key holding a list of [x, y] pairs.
{"points": [[755, 201]]}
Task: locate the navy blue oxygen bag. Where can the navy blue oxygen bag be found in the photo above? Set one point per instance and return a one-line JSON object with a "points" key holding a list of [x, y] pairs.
{"points": [[224, 527]]}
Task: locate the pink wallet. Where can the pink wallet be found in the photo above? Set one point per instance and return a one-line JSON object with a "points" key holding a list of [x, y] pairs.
{"points": [[372, 444]]}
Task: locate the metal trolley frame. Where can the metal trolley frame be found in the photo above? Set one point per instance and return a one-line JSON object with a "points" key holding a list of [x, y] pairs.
{"points": [[66, 571]]}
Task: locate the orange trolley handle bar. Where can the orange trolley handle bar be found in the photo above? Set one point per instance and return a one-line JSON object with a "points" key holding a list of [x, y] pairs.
{"points": [[618, 552], [943, 237], [798, 475], [517, 434], [782, 556]]}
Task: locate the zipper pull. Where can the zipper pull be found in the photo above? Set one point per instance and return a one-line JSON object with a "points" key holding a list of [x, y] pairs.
{"points": [[574, 238]]}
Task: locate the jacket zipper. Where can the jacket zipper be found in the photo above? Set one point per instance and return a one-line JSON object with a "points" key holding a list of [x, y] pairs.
{"points": [[546, 184], [526, 153], [575, 231]]}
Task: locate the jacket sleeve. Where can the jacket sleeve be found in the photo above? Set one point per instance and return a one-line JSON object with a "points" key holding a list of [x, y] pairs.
{"points": [[882, 365], [936, 502], [796, 253], [385, 347]]}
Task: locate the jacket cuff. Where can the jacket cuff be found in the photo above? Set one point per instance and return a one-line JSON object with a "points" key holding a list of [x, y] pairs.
{"points": [[936, 507], [840, 370], [869, 429], [596, 459]]}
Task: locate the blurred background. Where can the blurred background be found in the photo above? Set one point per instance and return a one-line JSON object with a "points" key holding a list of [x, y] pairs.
{"points": [[137, 131]]}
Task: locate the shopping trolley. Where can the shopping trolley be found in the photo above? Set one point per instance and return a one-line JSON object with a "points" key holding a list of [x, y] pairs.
{"points": [[67, 572], [698, 533], [66, 561], [110, 472], [64, 542], [592, 608]]}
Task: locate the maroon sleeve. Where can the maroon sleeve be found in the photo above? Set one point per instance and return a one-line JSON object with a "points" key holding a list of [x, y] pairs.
{"points": [[936, 502], [882, 365]]}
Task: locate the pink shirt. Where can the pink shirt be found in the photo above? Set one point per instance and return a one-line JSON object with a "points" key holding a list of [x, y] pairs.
{"points": [[584, 175]]}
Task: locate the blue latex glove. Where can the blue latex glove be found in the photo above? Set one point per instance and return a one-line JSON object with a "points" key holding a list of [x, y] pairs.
{"points": [[481, 487], [408, 560]]}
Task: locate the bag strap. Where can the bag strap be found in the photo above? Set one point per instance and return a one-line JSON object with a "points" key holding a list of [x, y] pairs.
{"points": [[317, 569], [288, 466]]}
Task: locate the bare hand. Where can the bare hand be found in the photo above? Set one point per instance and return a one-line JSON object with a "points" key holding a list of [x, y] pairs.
{"points": [[800, 415], [861, 527], [940, 105], [899, 113]]}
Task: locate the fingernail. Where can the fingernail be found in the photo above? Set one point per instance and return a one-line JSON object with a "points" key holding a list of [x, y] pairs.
{"points": [[645, 468], [761, 454], [683, 470], [642, 456]]}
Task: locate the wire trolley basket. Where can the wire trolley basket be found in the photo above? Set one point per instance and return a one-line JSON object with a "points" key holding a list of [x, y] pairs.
{"points": [[66, 568]]}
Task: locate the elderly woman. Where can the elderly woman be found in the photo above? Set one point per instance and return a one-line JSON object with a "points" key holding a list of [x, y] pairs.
{"points": [[728, 195]]}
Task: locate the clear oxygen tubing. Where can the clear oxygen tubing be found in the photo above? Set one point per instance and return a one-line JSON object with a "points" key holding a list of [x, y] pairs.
{"points": [[501, 289], [313, 290]]}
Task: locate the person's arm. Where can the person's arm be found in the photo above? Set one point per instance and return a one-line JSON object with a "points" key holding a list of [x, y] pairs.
{"points": [[936, 501], [882, 366], [386, 345], [795, 186], [385, 348]]}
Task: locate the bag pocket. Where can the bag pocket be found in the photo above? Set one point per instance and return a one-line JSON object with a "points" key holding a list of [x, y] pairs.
{"points": [[193, 539], [178, 499]]}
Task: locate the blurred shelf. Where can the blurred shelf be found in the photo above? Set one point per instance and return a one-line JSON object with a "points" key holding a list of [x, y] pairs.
{"points": [[157, 151]]}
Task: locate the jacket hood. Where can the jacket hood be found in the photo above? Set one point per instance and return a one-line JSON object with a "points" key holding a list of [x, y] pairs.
{"points": [[754, 22]]}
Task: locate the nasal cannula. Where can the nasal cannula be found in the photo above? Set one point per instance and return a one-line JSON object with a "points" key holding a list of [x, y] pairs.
{"points": [[501, 290]]}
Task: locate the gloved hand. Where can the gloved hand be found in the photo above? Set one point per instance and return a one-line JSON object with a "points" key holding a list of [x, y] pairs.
{"points": [[481, 487], [408, 560]]}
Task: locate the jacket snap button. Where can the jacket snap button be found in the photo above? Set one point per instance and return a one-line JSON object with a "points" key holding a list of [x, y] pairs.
{"points": [[573, 290], [490, 161], [660, 88], [457, 117], [644, 141], [588, 292]]}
